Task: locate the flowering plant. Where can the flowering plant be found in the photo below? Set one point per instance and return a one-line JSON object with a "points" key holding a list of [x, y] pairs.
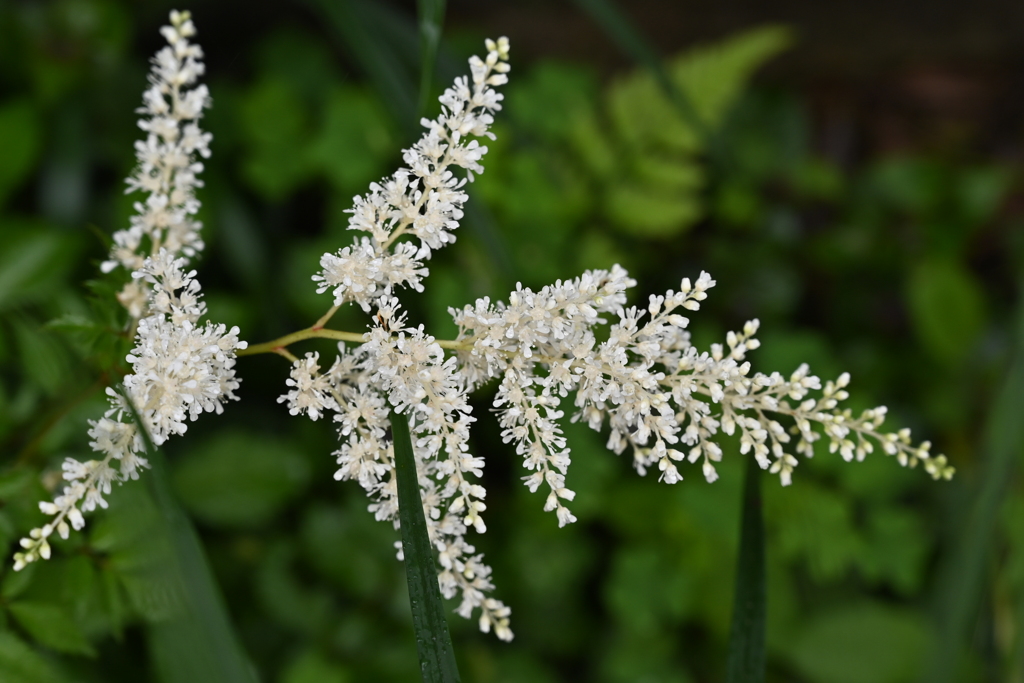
{"points": [[628, 369]]}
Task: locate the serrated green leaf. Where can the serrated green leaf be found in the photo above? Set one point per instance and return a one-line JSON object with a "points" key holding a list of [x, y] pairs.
{"points": [[240, 479], [52, 626], [21, 664]]}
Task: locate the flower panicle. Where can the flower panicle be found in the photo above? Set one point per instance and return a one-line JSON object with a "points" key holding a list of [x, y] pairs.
{"points": [[167, 162], [422, 200], [181, 367], [661, 397]]}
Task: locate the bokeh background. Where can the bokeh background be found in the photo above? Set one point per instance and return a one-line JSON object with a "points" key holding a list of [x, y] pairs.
{"points": [[856, 186]]}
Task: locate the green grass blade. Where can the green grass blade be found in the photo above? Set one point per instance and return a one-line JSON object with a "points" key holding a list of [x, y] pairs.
{"points": [[433, 642], [618, 26], [962, 580], [431, 16], [197, 644], [746, 658]]}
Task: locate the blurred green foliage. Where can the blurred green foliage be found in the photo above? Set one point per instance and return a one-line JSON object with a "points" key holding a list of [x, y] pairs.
{"points": [[901, 269]]}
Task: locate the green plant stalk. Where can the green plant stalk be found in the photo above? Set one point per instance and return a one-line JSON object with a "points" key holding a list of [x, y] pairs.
{"points": [[433, 642], [198, 645], [746, 657], [960, 583], [431, 16]]}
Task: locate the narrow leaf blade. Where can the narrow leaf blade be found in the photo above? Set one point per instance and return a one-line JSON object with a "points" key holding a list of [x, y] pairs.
{"points": [[197, 643], [431, 17], [961, 582], [746, 659], [433, 642]]}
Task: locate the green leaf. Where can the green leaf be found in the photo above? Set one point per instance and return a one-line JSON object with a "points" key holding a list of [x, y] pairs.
{"points": [[642, 211], [33, 259], [960, 586], [862, 643], [313, 667], [947, 308], [355, 140], [633, 43], [433, 642], [714, 76], [15, 583], [19, 144], [14, 481], [366, 34], [746, 658], [240, 479], [21, 664], [51, 626], [195, 642], [275, 124]]}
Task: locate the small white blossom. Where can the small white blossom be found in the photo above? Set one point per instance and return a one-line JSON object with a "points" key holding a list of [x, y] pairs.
{"points": [[311, 393]]}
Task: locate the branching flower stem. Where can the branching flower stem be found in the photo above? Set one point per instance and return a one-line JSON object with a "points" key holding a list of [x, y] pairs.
{"points": [[317, 331]]}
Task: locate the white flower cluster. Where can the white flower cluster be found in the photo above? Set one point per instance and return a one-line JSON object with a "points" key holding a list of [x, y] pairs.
{"points": [[167, 167], [660, 396], [424, 200], [657, 393], [404, 366], [180, 368]]}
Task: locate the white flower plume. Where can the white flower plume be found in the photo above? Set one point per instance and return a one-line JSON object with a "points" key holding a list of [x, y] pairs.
{"points": [[423, 200], [404, 366], [662, 398], [180, 369], [180, 366], [167, 161]]}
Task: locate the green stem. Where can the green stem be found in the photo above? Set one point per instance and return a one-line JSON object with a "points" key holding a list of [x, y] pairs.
{"points": [[746, 659], [275, 345], [433, 642], [279, 344]]}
